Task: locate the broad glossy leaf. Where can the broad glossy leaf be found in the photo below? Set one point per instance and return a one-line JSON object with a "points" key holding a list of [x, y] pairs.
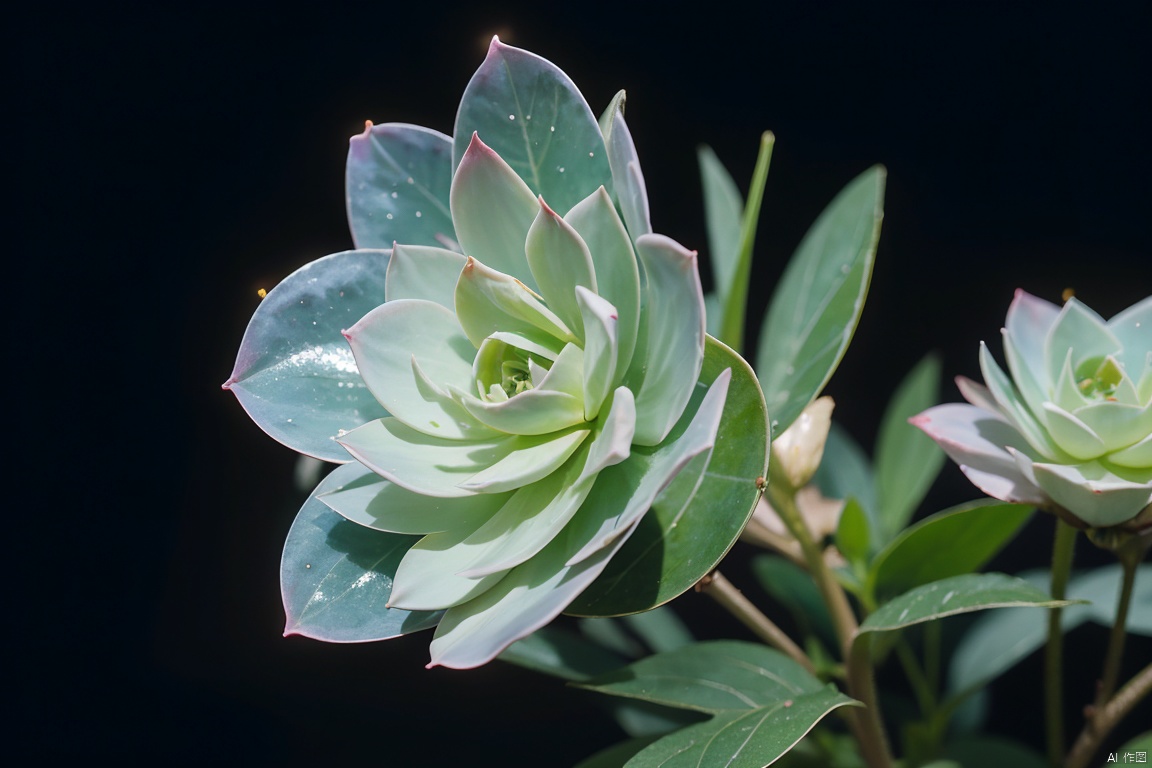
{"points": [[723, 209], [697, 518], [742, 739], [818, 301], [712, 677], [792, 586], [336, 576], [295, 374], [907, 460], [959, 594], [533, 116], [950, 543], [396, 186]]}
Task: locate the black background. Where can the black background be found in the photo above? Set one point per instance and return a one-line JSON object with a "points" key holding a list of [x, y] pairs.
{"points": [[165, 163]]}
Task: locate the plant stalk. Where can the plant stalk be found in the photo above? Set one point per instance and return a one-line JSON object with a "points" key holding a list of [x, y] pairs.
{"points": [[866, 726], [717, 586], [1063, 548], [1105, 718], [1116, 637]]}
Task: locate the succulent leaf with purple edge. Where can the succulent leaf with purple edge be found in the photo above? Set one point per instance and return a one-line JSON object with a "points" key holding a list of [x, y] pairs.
{"points": [[1070, 430], [539, 373]]}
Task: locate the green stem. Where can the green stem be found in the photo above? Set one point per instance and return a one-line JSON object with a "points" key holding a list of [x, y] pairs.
{"points": [[1116, 637], [735, 296], [921, 687], [866, 726], [1105, 718], [725, 593], [1063, 549]]}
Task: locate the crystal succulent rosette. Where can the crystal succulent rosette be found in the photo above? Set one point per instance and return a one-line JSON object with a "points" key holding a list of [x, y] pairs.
{"points": [[1070, 430], [529, 385]]}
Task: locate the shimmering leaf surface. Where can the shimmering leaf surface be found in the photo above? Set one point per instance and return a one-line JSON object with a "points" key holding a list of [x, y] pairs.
{"points": [[295, 374], [818, 302], [533, 116], [695, 521], [397, 182], [336, 576]]}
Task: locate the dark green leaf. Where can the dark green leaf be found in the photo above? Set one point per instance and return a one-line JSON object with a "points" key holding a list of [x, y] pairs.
{"points": [[852, 534], [294, 373], [950, 543], [562, 654], [907, 460], [742, 739], [661, 629], [616, 755], [712, 677], [817, 304], [959, 594], [698, 517], [336, 576]]}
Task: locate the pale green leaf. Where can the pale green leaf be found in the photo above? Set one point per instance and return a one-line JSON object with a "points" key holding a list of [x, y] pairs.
{"points": [[396, 183], [817, 304], [533, 116], [294, 373], [336, 576], [907, 460]]}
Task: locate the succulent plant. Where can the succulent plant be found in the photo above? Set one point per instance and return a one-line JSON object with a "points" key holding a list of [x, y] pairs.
{"points": [[1071, 429], [522, 376]]}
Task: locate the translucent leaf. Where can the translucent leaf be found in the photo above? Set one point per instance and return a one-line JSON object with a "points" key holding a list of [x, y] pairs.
{"points": [[294, 374], [907, 461], [396, 186], [336, 576], [818, 302], [533, 116], [697, 518]]}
